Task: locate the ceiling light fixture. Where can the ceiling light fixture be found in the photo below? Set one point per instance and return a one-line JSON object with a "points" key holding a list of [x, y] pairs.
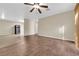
{"points": [[36, 6]]}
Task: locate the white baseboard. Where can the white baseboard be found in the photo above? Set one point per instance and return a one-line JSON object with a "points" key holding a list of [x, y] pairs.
{"points": [[50, 36], [10, 35], [69, 39], [56, 37], [29, 34]]}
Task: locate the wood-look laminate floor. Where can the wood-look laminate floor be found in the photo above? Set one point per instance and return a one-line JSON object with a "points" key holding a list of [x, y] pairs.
{"points": [[39, 46]]}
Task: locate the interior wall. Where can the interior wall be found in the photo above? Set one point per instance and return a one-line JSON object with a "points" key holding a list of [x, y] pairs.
{"points": [[58, 26], [30, 26], [26, 27], [7, 27]]}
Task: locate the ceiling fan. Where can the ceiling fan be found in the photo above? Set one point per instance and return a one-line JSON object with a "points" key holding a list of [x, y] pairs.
{"points": [[36, 6]]}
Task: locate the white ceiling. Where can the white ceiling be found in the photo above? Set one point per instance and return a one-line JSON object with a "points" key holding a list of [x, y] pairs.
{"points": [[12, 11], [19, 11]]}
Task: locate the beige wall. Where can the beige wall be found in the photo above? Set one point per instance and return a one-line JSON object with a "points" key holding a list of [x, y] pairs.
{"points": [[26, 27], [7, 27], [30, 26], [58, 26]]}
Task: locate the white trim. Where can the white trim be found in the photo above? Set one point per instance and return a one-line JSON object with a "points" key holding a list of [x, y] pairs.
{"points": [[49, 36], [68, 39], [18, 21], [29, 34], [11, 35], [56, 37]]}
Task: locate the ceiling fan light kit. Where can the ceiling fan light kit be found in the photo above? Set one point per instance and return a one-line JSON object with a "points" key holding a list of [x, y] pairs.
{"points": [[36, 6]]}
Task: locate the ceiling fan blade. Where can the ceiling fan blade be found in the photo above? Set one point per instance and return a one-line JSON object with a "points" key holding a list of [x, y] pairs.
{"points": [[32, 9], [44, 6], [28, 4], [39, 11]]}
